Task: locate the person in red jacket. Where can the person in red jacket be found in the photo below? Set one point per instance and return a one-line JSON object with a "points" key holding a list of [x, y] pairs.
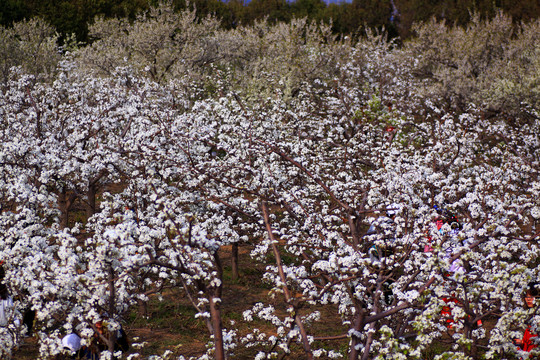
{"points": [[527, 343]]}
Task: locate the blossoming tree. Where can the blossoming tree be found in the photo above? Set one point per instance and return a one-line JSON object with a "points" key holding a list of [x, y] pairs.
{"points": [[118, 185]]}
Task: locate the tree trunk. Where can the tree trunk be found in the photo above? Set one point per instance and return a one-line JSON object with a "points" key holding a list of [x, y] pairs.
{"points": [[356, 341], [369, 341], [215, 311], [286, 291], [91, 198], [112, 307], [62, 205], [143, 308], [65, 202], [234, 261]]}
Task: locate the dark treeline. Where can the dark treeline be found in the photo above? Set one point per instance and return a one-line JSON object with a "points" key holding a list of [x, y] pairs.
{"points": [[397, 17]]}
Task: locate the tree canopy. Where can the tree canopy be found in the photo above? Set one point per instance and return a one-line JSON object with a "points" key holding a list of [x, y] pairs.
{"points": [[397, 17]]}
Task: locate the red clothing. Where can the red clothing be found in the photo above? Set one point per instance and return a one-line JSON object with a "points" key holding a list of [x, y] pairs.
{"points": [[446, 311], [528, 344]]}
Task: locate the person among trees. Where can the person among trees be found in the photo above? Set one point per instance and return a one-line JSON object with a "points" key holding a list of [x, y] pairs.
{"points": [[28, 320], [6, 302], [447, 217], [529, 340], [72, 344], [6, 305], [121, 342], [383, 226]]}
